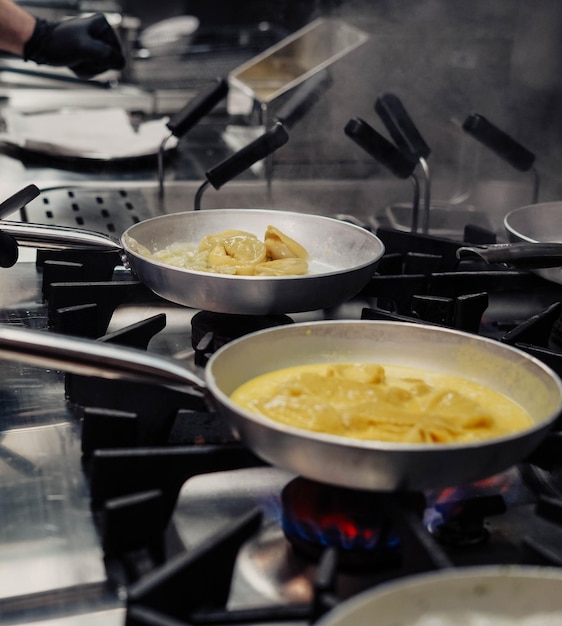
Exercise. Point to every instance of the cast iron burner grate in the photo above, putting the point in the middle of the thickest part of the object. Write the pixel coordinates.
(211, 331)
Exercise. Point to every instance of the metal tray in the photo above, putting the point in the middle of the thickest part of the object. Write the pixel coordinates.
(293, 60)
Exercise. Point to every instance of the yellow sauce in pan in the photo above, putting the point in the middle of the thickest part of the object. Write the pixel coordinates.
(384, 403)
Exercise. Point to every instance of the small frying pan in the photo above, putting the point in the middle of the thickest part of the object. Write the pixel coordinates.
(343, 258)
(331, 459)
(535, 235)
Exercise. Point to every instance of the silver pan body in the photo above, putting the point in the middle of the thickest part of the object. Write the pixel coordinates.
(375, 465)
(343, 259)
(537, 223)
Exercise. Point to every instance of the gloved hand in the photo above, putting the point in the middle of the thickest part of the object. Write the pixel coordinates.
(87, 45)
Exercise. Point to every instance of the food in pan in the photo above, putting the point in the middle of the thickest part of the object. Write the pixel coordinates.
(384, 403)
(235, 252)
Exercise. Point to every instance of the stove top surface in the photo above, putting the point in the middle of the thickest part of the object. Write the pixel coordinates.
(56, 564)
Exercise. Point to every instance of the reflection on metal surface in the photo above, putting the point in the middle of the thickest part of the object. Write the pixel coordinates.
(269, 566)
(48, 542)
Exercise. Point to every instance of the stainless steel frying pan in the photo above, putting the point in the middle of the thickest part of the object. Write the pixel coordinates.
(535, 235)
(335, 460)
(343, 257)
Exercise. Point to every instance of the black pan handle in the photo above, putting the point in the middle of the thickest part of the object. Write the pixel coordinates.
(18, 200)
(255, 151)
(9, 251)
(196, 109)
(379, 148)
(519, 255)
(401, 126)
(499, 142)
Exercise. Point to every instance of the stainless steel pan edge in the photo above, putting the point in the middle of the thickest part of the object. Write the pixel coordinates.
(343, 259)
(372, 465)
(492, 595)
(537, 223)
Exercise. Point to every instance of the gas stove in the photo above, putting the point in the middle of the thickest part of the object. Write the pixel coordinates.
(129, 504)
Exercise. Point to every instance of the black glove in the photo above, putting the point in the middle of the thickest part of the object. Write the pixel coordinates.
(87, 45)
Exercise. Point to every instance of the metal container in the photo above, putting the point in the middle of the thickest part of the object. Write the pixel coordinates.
(290, 62)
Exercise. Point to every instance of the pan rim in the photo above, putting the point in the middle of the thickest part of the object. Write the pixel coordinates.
(368, 236)
(426, 582)
(512, 230)
(375, 445)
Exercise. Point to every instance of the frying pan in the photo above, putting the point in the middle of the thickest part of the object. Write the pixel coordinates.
(535, 235)
(331, 459)
(511, 595)
(343, 257)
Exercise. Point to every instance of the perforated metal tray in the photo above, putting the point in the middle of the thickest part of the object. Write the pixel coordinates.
(110, 210)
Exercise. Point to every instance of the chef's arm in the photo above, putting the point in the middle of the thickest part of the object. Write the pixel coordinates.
(16, 27)
(87, 45)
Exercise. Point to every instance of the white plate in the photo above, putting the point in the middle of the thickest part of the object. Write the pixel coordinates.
(169, 31)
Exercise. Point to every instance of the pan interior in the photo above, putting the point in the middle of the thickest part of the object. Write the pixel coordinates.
(333, 246)
(506, 370)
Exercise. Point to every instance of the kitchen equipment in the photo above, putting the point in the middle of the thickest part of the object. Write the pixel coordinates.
(504, 146)
(166, 36)
(117, 470)
(540, 222)
(287, 64)
(535, 231)
(18, 200)
(342, 258)
(9, 252)
(186, 119)
(400, 164)
(408, 139)
(495, 596)
(104, 134)
(330, 459)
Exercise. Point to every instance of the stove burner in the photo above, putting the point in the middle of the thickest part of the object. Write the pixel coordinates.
(462, 532)
(317, 516)
(458, 517)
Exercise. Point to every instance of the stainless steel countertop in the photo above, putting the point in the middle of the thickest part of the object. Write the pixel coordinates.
(49, 548)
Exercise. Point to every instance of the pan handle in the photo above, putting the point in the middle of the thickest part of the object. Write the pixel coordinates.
(88, 357)
(197, 108)
(401, 127)
(377, 146)
(499, 142)
(58, 237)
(265, 145)
(519, 255)
(18, 200)
(9, 252)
